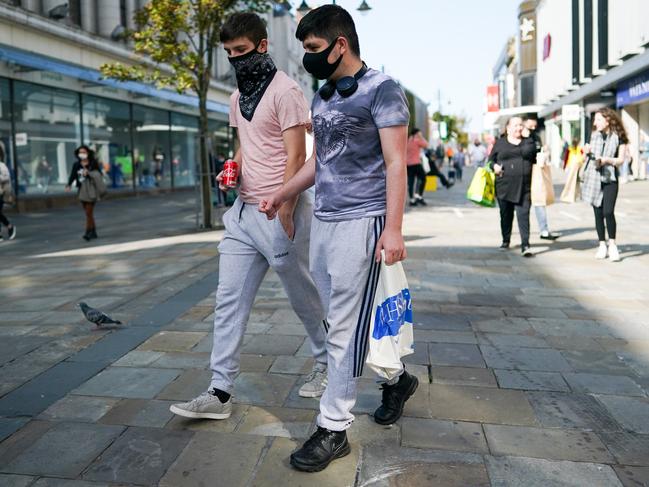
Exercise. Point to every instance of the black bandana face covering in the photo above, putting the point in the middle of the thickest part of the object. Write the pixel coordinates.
(255, 70)
(316, 62)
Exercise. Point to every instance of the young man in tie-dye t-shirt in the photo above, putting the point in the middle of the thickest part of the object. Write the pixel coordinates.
(360, 122)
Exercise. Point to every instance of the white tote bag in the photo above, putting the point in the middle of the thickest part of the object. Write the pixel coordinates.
(391, 335)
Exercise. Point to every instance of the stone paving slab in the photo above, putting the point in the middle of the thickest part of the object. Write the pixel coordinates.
(553, 444)
(443, 435)
(75, 444)
(9, 426)
(130, 382)
(10, 480)
(455, 354)
(627, 448)
(480, 404)
(139, 456)
(87, 409)
(277, 421)
(464, 376)
(541, 359)
(557, 410)
(537, 472)
(604, 384)
(263, 389)
(630, 412)
(139, 412)
(529, 380)
(210, 456)
(382, 466)
(633, 476)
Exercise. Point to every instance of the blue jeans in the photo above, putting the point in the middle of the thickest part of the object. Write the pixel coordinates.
(542, 218)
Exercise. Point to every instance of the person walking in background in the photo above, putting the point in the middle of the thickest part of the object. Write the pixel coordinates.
(86, 176)
(477, 154)
(416, 173)
(530, 126)
(434, 169)
(270, 113)
(605, 154)
(459, 161)
(6, 195)
(43, 174)
(512, 157)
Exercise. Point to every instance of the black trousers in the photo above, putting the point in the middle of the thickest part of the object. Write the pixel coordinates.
(416, 174)
(522, 210)
(606, 212)
(434, 171)
(3, 218)
(458, 170)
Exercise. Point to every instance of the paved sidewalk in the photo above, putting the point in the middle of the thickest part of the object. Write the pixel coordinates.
(532, 371)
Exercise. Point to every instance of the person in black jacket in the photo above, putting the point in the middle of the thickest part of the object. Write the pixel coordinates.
(512, 157)
(84, 173)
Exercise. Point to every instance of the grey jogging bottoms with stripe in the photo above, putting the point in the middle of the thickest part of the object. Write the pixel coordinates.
(250, 246)
(343, 267)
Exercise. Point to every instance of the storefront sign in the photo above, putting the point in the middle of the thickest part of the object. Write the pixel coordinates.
(633, 90)
(493, 102)
(547, 46)
(21, 139)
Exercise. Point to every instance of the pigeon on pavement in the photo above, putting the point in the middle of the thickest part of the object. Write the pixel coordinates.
(97, 317)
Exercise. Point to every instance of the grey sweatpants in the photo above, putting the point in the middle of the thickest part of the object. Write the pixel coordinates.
(343, 268)
(250, 246)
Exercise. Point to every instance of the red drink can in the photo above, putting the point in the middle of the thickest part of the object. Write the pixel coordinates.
(230, 174)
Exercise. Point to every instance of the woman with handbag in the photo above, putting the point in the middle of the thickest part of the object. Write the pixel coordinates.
(85, 174)
(6, 195)
(513, 156)
(605, 154)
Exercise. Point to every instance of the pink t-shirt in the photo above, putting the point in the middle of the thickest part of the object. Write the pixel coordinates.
(264, 156)
(413, 149)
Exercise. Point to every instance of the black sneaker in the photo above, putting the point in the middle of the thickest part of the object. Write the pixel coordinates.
(504, 246)
(92, 234)
(12, 232)
(394, 398)
(320, 450)
(422, 202)
(86, 236)
(527, 251)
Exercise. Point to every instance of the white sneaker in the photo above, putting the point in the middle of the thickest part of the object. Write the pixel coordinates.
(316, 383)
(613, 253)
(205, 406)
(601, 252)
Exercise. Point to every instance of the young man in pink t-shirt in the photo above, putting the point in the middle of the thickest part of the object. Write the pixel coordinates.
(270, 113)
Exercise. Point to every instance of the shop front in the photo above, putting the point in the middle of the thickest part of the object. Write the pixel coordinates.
(145, 138)
(633, 101)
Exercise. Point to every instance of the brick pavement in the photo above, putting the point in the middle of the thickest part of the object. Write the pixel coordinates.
(533, 371)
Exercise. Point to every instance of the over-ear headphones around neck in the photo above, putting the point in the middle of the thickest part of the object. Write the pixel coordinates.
(345, 86)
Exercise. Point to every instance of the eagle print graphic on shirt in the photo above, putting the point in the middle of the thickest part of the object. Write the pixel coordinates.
(333, 130)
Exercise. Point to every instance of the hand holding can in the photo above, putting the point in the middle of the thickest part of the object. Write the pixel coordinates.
(230, 174)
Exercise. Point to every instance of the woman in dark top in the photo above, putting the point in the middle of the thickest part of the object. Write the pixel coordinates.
(86, 175)
(512, 157)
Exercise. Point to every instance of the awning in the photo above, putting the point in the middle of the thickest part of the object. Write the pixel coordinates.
(501, 116)
(43, 63)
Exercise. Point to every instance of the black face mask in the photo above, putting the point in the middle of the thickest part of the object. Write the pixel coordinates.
(255, 70)
(316, 62)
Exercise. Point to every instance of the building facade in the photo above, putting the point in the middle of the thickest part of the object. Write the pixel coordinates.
(593, 54)
(53, 99)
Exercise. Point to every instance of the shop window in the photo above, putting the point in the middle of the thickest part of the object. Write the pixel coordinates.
(107, 129)
(185, 154)
(152, 164)
(48, 130)
(6, 148)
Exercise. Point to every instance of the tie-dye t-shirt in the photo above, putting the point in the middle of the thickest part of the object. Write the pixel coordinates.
(350, 170)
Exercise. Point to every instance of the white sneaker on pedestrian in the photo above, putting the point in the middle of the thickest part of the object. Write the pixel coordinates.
(205, 406)
(613, 253)
(316, 382)
(601, 251)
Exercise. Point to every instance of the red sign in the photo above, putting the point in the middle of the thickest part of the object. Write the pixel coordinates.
(547, 46)
(493, 102)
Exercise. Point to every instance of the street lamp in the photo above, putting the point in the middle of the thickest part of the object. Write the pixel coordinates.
(305, 9)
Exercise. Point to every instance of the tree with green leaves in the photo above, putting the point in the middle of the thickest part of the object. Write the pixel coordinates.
(176, 41)
(454, 127)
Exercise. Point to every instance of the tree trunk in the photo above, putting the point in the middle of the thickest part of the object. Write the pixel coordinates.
(206, 187)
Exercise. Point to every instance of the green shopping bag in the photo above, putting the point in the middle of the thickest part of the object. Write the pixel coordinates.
(482, 189)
